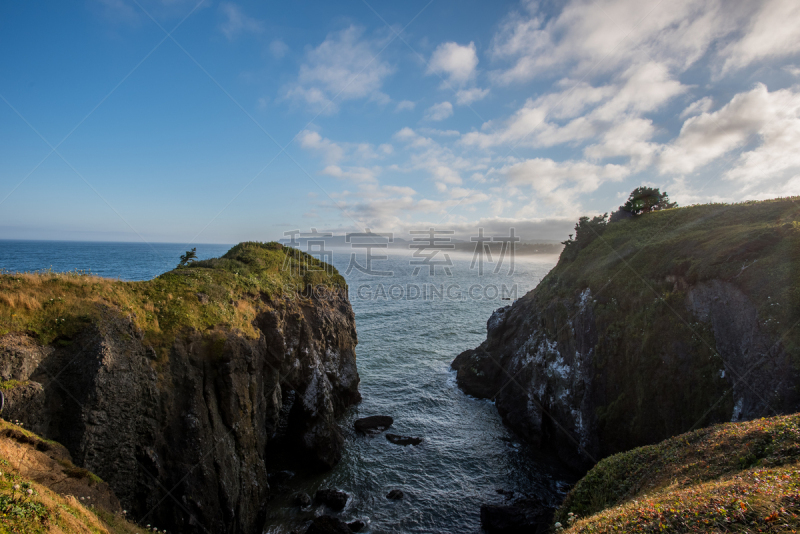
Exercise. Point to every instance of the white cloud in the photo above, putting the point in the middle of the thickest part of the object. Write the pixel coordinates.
(794, 70)
(278, 49)
(355, 174)
(455, 61)
(706, 137)
(638, 90)
(770, 120)
(468, 96)
(697, 107)
(604, 36)
(774, 32)
(343, 67)
(333, 153)
(545, 175)
(615, 87)
(237, 23)
(559, 185)
(439, 112)
(441, 133)
(330, 151)
(630, 139)
(404, 105)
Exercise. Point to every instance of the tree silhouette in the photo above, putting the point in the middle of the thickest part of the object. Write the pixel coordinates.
(643, 200)
(190, 256)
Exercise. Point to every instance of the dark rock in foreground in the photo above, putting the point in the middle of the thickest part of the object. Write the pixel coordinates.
(280, 478)
(374, 424)
(326, 524)
(526, 516)
(333, 499)
(303, 500)
(395, 495)
(356, 526)
(403, 440)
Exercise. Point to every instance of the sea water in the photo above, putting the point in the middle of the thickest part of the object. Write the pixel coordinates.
(410, 327)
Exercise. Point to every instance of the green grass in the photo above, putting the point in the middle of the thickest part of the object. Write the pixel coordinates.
(735, 477)
(7, 385)
(225, 292)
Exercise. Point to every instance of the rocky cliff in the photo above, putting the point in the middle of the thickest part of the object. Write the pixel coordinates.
(650, 327)
(173, 390)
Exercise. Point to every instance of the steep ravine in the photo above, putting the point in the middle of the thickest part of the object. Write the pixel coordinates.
(178, 422)
(665, 323)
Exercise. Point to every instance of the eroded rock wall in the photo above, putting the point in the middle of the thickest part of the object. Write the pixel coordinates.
(591, 376)
(182, 434)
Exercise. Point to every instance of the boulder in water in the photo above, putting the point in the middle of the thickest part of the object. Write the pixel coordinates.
(403, 440)
(357, 525)
(303, 500)
(395, 495)
(374, 424)
(326, 524)
(333, 499)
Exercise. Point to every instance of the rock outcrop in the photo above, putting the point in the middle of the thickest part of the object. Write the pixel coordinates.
(672, 321)
(180, 429)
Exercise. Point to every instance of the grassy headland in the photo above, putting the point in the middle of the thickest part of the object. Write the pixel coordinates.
(224, 292)
(639, 273)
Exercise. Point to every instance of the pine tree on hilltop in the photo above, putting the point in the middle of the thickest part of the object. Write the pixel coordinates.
(190, 256)
(643, 200)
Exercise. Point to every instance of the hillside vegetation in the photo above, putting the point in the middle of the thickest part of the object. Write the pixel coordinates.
(42, 492)
(640, 273)
(655, 256)
(53, 306)
(649, 327)
(734, 477)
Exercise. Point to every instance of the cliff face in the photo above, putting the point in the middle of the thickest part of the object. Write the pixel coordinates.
(665, 323)
(178, 421)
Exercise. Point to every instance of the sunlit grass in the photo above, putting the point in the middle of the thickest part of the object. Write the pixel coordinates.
(736, 477)
(226, 292)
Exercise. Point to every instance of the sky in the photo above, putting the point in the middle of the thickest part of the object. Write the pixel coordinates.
(191, 121)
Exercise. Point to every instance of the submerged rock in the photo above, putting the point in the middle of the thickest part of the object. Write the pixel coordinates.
(303, 500)
(374, 424)
(403, 440)
(356, 526)
(332, 498)
(280, 478)
(395, 495)
(326, 524)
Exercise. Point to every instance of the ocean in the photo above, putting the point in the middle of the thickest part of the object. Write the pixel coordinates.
(410, 327)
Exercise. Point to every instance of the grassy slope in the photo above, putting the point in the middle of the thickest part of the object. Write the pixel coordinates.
(45, 511)
(735, 477)
(632, 270)
(55, 306)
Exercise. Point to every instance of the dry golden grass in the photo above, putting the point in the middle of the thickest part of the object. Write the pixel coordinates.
(47, 512)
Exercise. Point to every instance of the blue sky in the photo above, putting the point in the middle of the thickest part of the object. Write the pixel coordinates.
(179, 121)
